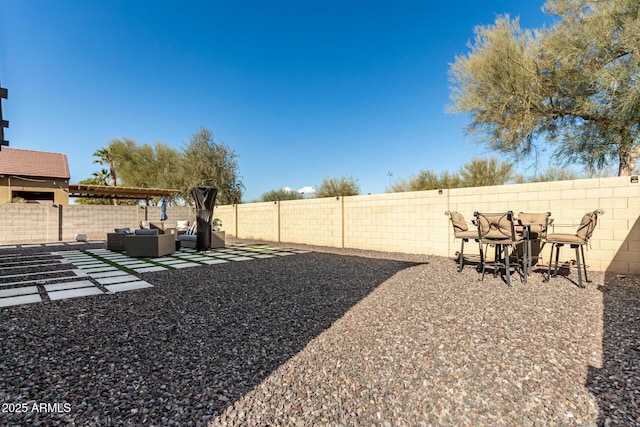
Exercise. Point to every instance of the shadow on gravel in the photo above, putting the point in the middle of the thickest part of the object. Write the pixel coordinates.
(177, 353)
(616, 385)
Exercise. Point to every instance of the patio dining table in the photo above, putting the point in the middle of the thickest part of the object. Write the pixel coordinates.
(503, 230)
(527, 232)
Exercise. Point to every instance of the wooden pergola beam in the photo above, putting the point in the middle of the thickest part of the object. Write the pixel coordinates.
(108, 192)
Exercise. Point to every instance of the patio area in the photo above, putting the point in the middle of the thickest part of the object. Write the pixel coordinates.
(327, 337)
(91, 269)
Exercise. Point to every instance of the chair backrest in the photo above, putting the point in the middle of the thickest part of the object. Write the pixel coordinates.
(495, 226)
(457, 221)
(588, 224)
(539, 222)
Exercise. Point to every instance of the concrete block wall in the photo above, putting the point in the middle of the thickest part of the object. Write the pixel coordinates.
(312, 220)
(95, 221)
(38, 223)
(28, 223)
(257, 221)
(412, 222)
(396, 222)
(228, 215)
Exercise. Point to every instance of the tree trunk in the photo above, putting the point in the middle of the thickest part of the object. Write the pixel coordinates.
(113, 182)
(628, 160)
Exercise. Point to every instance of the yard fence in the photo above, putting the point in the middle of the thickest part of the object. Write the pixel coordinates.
(411, 222)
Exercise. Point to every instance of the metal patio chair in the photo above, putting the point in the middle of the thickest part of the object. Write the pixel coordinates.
(498, 230)
(576, 241)
(534, 227)
(461, 231)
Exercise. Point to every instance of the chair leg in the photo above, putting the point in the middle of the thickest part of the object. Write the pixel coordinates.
(578, 265)
(484, 263)
(506, 265)
(555, 272)
(584, 265)
(524, 263)
(496, 259)
(481, 252)
(461, 256)
(550, 263)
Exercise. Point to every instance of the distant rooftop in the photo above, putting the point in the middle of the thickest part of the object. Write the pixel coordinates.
(18, 162)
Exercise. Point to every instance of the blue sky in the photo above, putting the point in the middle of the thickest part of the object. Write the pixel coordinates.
(301, 90)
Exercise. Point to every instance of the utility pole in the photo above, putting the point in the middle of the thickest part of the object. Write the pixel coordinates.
(3, 123)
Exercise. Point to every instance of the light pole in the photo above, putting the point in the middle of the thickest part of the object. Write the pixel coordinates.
(390, 175)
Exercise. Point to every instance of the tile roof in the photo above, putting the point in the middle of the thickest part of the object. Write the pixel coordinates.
(14, 161)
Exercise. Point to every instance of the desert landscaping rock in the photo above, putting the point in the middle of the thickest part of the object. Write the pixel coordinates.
(330, 337)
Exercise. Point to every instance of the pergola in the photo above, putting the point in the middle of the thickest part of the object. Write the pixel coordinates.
(108, 192)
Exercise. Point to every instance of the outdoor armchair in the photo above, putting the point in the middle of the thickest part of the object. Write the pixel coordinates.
(498, 230)
(576, 241)
(461, 231)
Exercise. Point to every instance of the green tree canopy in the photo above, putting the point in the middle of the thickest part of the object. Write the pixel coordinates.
(343, 186)
(146, 166)
(202, 162)
(208, 163)
(282, 194)
(575, 84)
(476, 173)
(482, 172)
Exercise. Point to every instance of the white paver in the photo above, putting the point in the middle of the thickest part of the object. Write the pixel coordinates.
(186, 265)
(68, 285)
(117, 279)
(215, 261)
(150, 269)
(241, 258)
(19, 300)
(128, 286)
(25, 290)
(102, 269)
(110, 274)
(74, 293)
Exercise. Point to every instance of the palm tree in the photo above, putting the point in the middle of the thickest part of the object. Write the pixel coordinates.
(104, 157)
(101, 177)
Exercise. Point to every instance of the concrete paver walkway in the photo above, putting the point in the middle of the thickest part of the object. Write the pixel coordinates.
(49, 276)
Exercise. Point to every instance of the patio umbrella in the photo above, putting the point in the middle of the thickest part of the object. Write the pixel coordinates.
(163, 208)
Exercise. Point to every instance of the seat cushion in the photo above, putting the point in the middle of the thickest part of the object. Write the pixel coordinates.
(147, 232)
(466, 234)
(565, 238)
(187, 237)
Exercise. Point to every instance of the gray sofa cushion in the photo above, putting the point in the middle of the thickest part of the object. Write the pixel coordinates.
(147, 232)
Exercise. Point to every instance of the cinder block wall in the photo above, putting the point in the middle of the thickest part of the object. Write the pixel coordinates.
(26, 223)
(36, 223)
(256, 221)
(228, 215)
(412, 222)
(312, 220)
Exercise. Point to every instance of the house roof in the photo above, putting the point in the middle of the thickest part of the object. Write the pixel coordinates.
(43, 164)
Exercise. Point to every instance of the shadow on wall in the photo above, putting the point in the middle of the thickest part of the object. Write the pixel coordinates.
(184, 350)
(629, 253)
(616, 385)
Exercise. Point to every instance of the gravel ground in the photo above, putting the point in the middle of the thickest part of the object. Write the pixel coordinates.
(332, 337)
